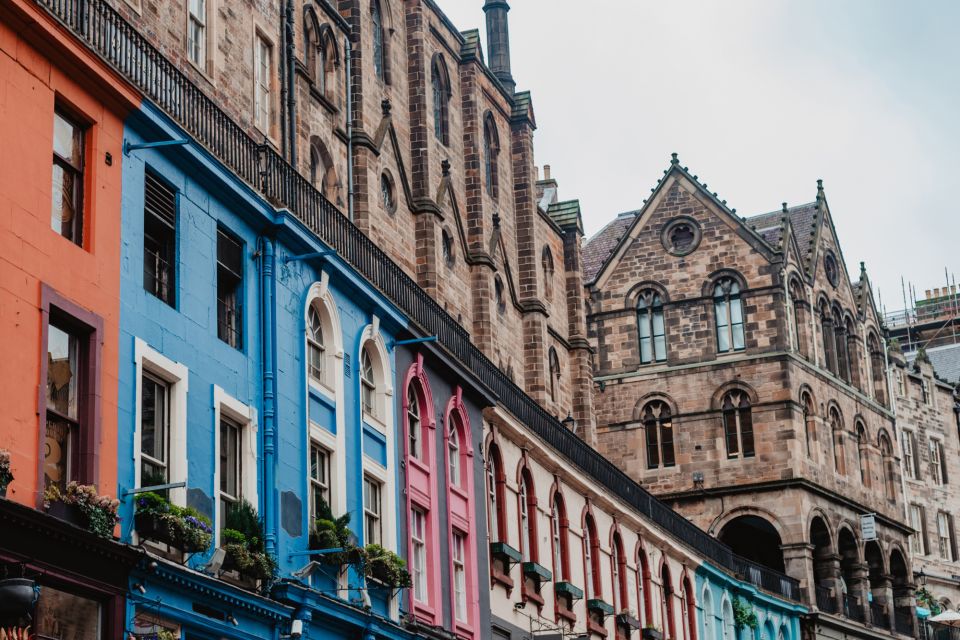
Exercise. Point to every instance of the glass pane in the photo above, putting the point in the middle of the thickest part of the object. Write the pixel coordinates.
(738, 336)
(56, 456)
(645, 350)
(736, 311)
(666, 438)
(63, 204)
(746, 431)
(67, 140)
(730, 433)
(653, 453)
(64, 615)
(660, 343)
(153, 419)
(62, 371)
(229, 456)
(644, 322)
(658, 323)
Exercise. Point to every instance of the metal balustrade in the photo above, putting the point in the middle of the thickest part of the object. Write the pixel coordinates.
(903, 621)
(120, 45)
(878, 615)
(852, 608)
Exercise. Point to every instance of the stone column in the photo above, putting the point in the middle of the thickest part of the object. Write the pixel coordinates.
(883, 595)
(860, 586)
(798, 564)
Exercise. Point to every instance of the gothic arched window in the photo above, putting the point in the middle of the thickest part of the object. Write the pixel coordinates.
(650, 327)
(738, 424)
(554, 373)
(491, 151)
(440, 83)
(379, 57)
(658, 424)
(728, 308)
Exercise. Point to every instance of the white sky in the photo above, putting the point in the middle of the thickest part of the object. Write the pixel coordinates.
(760, 98)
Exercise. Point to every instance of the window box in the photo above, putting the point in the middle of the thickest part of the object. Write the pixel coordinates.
(652, 633)
(69, 513)
(626, 620)
(506, 553)
(568, 590)
(536, 572)
(599, 606)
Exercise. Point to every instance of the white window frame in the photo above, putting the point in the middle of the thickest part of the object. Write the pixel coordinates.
(454, 468)
(418, 559)
(936, 464)
(906, 443)
(176, 376)
(246, 416)
(917, 543)
(458, 552)
(315, 483)
(262, 87)
(944, 543)
(371, 514)
(202, 23)
(491, 482)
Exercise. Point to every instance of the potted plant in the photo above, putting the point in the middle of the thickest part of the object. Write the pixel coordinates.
(386, 567)
(242, 540)
(80, 505)
(329, 532)
(180, 527)
(6, 475)
(18, 596)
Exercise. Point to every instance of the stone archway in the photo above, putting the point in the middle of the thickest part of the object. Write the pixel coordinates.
(880, 588)
(852, 576)
(756, 539)
(825, 566)
(903, 593)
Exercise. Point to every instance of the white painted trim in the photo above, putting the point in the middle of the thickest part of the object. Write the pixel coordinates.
(177, 376)
(225, 404)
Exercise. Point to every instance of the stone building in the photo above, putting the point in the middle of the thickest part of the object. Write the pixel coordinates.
(927, 419)
(740, 376)
(390, 98)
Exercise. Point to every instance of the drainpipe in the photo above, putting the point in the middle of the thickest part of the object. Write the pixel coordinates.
(349, 112)
(268, 326)
(291, 87)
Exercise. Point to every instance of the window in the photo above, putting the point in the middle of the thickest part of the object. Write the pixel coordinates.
(446, 244)
(738, 424)
(495, 504)
(945, 535)
(918, 541)
(591, 561)
(418, 535)
(230, 467)
(499, 296)
(229, 289)
(653, 341)
(843, 355)
(159, 239)
(319, 479)
(558, 530)
(938, 463)
(388, 194)
(681, 236)
(830, 269)
(459, 577)
(65, 379)
(729, 628)
(546, 263)
(414, 431)
(263, 68)
(368, 385)
(66, 216)
(729, 315)
(316, 349)
(453, 445)
(809, 422)
(910, 460)
(379, 62)
(440, 84)
(889, 467)
(666, 604)
(154, 431)
(644, 603)
(925, 390)
(491, 150)
(554, 373)
(862, 454)
(372, 533)
(709, 617)
(658, 424)
(618, 567)
(829, 339)
(311, 47)
(60, 614)
(528, 514)
(197, 32)
(689, 611)
(836, 433)
(901, 388)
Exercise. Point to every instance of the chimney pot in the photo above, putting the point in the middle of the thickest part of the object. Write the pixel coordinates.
(546, 172)
(928, 294)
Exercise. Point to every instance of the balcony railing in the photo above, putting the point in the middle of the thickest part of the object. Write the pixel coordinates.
(878, 615)
(852, 608)
(903, 621)
(123, 47)
(825, 600)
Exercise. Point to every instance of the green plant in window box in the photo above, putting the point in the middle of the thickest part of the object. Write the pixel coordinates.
(6, 475)
(386, 567)
(81, 504)
(242, 541)
(744, 614)
(329, 532)
(181, 527)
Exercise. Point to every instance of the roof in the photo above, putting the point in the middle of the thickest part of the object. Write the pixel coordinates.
(566, 214)
(945, 360)
(802, 218)
(598, 249)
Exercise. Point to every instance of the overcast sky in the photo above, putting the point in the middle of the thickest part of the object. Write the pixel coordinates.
(760, 98)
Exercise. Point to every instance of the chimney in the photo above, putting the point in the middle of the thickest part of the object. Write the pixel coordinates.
(928, 294)
(498, 42)
(546, 172)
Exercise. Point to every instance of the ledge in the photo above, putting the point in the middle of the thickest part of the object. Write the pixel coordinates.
(537, 572)
(600, 606)
(569, 590)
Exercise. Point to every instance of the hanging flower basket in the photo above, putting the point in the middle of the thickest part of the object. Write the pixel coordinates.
(17, 598)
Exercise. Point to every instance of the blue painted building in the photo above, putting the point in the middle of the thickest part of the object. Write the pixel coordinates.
(719, 595)
(255, 367)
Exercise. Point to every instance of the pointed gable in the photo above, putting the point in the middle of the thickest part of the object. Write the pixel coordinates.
(601, 246)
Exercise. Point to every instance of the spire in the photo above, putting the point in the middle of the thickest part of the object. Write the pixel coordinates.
(498, 42)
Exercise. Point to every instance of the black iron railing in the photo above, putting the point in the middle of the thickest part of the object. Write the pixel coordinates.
(903, 620)
(852, 608)
(878, 615)
(121, 45)
(825, 600)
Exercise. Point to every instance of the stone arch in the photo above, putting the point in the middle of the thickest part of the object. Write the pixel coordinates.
(752, 534)
(716, 401)
(653, 395)
(633, 295)
(323, 171)
(851, 557)
(712, 279)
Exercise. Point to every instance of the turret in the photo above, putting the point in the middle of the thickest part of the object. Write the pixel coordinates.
(498, 42)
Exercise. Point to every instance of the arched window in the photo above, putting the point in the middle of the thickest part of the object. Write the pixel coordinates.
(546, 261)
(729, 315)
(379, 51)
(453, 447)
(414, 425)
(323, 174)
(528, 517)
(491, 151)
(316, 349)
(440, 83)
(618, 571)
(877, 368)
(559, 533)
(658, 424)
(738, 424)
(840, 335)
(889, 467)
(795, 308)
(836, 430)
(689, 611)
(650, 327)
(862, 454)
(729, 626)
(591, 560)
(499, 296)
(644, 601)
(495, 500)
(709, 616)
(829, 339)
(666, 604)
(368, 383)
(809, 421)
(311, 43)
(554, 373)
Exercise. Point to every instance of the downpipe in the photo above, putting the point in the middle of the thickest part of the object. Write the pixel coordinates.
(291, 87)
(268, 321)
(349, 111)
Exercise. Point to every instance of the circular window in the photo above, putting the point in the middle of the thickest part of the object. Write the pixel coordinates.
(446, 240)
(387, 193)
(681, 236)
(830, 269)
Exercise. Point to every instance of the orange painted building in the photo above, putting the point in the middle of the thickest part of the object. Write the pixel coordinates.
(61, 126)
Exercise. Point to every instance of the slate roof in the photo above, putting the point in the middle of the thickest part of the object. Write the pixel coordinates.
(598, 249)
(945, 360)
(802, 219)
(566, 214)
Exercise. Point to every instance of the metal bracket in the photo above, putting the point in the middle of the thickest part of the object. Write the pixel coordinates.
(127, 147)
(156, 487)
(309, 256)
(314, 552)
(400, 343)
